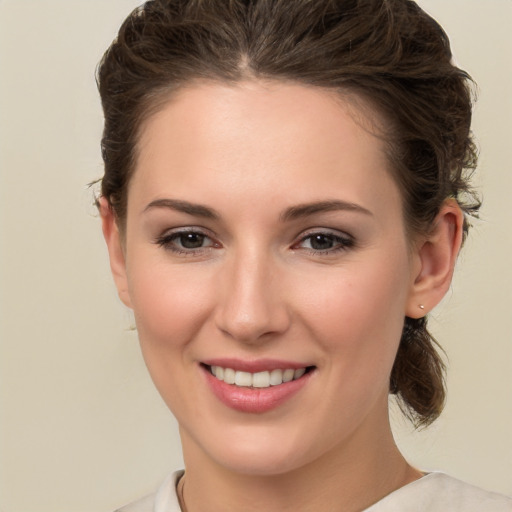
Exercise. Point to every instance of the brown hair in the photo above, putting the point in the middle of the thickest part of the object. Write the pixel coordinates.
(389, 52)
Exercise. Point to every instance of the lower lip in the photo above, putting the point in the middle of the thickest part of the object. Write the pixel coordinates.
(254, 400)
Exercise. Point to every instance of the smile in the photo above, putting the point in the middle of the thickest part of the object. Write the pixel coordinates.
(255, 386)
(263, 379)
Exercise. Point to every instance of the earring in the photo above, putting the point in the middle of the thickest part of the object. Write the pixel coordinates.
(421, 306)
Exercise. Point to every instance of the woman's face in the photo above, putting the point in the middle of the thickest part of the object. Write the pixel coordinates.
(265, 237)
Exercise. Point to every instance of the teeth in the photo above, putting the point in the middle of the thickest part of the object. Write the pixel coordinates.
(261, 380)
(276, 377)
(288, 375)
(299, 373)
(229, 376)
(256, 380)
(243, 379)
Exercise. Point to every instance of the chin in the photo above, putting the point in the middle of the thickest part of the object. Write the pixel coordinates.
(259, 451)
(259, 462)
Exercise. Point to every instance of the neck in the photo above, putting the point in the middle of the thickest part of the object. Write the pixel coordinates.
(349, 478)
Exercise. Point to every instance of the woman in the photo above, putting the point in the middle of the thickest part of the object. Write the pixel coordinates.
(286, 191)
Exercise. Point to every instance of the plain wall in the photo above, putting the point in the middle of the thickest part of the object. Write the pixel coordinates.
(81, 427)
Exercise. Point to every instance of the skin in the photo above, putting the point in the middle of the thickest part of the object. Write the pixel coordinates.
(257, 288)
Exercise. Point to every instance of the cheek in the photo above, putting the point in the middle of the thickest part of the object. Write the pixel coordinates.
(170, 304)
(358, 315)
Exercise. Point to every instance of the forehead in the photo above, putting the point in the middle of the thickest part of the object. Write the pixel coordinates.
(263, 137)
(253, 103)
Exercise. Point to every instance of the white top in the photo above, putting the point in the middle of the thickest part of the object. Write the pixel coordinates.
(435, 492)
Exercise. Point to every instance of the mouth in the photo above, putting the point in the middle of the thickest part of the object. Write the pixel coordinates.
(257, 380)
(255, 387)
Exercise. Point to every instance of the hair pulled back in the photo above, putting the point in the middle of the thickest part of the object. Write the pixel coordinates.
(388, 52)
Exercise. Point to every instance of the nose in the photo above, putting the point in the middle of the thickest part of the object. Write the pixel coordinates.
(251, 307)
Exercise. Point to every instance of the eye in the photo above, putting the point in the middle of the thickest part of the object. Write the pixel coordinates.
(186, 241)
(325, 242)
(190, 240)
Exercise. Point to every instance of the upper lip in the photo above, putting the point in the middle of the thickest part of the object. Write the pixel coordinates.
(256, 365)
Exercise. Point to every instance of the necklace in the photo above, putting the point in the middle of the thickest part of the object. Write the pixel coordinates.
(179, 492)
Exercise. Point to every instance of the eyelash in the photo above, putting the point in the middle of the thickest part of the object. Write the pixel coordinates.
(340, 242)
(167, 241)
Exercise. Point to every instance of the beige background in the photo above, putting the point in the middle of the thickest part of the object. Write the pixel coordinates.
(81, 428)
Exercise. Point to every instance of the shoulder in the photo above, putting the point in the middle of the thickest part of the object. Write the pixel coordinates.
(438, 492)
(465, 497)
(470, 496)
(163, 500)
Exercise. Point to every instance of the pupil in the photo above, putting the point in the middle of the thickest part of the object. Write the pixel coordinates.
(321, 242)
(192, 240)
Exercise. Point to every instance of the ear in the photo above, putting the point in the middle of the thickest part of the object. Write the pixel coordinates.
(435, 257)
(115, 250)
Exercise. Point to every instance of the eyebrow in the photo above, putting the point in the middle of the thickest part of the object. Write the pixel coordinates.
(197, 210)
(307, 209)
(292, 213)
